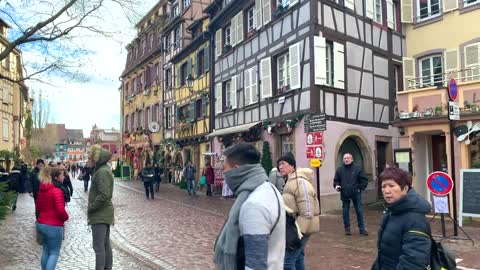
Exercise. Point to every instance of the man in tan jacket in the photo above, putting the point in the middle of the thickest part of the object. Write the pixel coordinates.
(300, 196)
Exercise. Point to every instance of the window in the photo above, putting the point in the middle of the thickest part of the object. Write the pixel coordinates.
(378, 11)
(467, 3)
(472, 62)
(184, 112)
(251, 89)
(428, 9)
(5, 128)
(140, 119)
(203, 101)
(228, 94)
(227, 37)
(168, 117)
(148, 117)
(154, 112)
(177, 36)
(200, 63)
(329, 62)
(176, 10)
(183, 74)
(125, 125)
(6, 93)
(283, 3)
(283, 70)
(167, 42)
(168, 78)
(186, 3)
(431, 70)
(251, 24)
(398, 78)
(286, 144)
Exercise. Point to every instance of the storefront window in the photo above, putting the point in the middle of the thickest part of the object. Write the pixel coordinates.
(287, 145)
(475, 156)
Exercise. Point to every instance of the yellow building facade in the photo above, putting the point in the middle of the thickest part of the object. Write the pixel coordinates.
(192, 84)
(442, 43)
(14, 97)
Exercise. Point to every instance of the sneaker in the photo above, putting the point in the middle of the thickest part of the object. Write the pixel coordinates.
(348, 232)
(364, 232)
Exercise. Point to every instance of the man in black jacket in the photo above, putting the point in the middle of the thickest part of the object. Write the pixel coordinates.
(350, 180)
(34, 182)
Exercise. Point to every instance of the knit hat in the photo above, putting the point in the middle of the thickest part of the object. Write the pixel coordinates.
(289, 158)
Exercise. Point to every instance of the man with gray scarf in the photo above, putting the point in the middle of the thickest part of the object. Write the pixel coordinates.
(253, 236)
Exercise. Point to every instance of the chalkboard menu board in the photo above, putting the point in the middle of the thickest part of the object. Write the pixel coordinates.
(470, 193)
(126, 172)
(315, 122)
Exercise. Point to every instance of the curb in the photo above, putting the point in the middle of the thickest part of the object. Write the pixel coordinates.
(120, 242)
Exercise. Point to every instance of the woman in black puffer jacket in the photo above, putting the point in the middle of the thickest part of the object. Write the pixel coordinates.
(403, 238)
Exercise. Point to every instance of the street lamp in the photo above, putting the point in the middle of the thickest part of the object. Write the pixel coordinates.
(190, 83)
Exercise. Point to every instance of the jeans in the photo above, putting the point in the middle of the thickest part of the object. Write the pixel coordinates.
(85, 185)
(357, 204)
(14, 201)
(209, 190)
(191, 187)
(52, 241)
(102, 247)
(295, 259)
(157, 184)
(148, 188)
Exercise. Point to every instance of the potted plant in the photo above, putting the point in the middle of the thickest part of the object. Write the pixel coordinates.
(428, 112)
(438, 110)
(404, 115)
(473, 107)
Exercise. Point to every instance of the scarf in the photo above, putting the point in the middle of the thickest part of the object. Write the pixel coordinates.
(242, 181)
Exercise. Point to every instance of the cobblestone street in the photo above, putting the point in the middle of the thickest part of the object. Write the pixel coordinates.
(176, 231)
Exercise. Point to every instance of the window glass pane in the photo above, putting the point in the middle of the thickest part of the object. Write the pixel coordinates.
(423, 8)
(329, 62)
(435, 7)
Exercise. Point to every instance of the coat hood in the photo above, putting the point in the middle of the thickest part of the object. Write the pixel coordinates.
(99, 155)
(305, 173)
(412, 202)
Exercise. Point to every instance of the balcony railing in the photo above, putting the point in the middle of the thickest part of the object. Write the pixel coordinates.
(441, 80)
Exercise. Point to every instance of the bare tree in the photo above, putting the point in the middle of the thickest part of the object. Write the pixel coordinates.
(51, 29)
(41, 110)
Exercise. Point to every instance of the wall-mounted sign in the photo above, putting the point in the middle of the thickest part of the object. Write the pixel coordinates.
(315, 122)
(453, 110)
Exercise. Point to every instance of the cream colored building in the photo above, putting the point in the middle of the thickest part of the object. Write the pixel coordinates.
(14, 97)
(442, 42)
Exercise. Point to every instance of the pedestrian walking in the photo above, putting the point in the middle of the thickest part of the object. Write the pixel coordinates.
(253, 236)
(24, 177)
(404, 234)
(85, 177)
(299, 196)
(100, 211)
(34, 181)
(67, 183)
(14, 185)
(157, 178)
(74, 170)
(277, 179)
(209, 177)
(350, 181)
(52, 215)
(189, 174)
(147, 175)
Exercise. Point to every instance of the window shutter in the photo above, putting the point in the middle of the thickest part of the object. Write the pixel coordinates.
(451, 63)
(218, 98)
(206, 58)
(254, 85)
(178, 76)
(258, 13)
(370, 7)
(390, 15)
(178, 113)
(449, 5)
(350, 4)
(339, 66)
(204, 106)
(295, 75)
(172, 118)
(197, 71)
(265, 68)
(193, 110)
(247, 86)
(233, 31)
(218, 42)
(408, 72)
(407, 11)
(233, 93)
(472, 61)
(266, 11)
(240, 27)
(189, 69)
(320, 50)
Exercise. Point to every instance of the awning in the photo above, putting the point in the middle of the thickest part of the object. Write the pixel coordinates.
(230, 130)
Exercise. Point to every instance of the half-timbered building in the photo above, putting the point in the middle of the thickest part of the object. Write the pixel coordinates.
(276, 61)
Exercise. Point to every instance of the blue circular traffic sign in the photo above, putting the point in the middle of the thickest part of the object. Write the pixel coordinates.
(452, 89)
(439, 183)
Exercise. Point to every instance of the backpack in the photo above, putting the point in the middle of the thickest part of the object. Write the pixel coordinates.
(441, 258)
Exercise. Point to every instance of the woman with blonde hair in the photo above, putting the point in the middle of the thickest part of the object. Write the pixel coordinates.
(50, 205)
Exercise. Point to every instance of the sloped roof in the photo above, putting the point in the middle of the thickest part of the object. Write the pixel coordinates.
(75, 135)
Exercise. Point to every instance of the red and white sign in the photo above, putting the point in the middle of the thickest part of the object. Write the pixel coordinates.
(314, 138)
(314, 143)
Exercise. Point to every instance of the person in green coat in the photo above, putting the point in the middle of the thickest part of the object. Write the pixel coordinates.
(100, 208)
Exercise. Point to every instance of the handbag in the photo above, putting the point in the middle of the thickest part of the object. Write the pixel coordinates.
(441, 258)
(203, 180)
(80, 177)
(293, 236)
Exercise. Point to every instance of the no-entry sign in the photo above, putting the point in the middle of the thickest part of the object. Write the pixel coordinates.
(439, 183)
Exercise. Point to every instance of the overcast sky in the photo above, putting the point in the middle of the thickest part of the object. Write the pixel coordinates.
(97, 101)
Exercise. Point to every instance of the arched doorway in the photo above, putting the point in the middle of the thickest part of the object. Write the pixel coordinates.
(354, 143)
(349, 145)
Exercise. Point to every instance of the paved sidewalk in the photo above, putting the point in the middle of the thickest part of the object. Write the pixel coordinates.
(19, 250)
